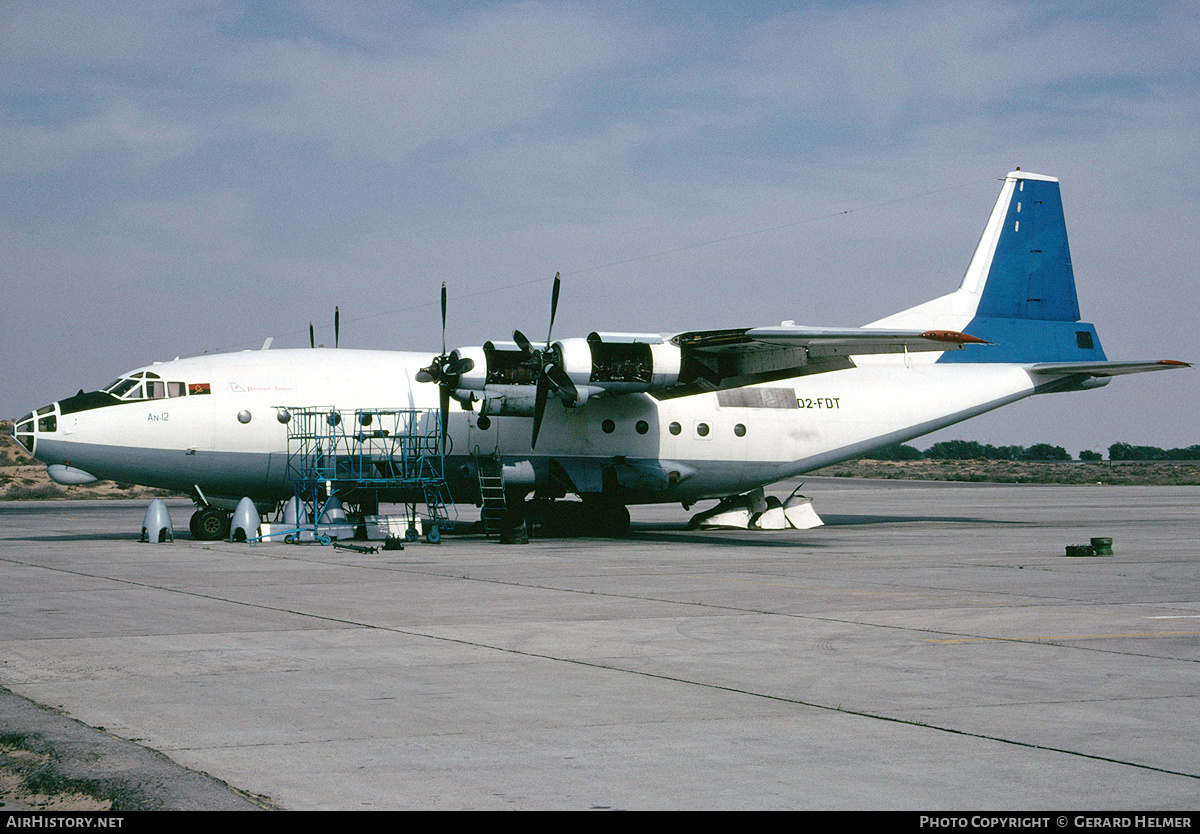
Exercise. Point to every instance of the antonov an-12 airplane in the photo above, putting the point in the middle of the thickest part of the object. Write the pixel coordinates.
(617, 418)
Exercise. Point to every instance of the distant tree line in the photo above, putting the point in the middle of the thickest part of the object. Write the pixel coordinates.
(1124, 451)
(973, 450)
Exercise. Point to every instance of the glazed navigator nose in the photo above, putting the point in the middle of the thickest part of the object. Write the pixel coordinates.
(34, 431)
(42, 421)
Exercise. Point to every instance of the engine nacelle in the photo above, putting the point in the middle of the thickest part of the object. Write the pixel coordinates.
(502, 381)
(496, 363)
(476, 378)
(603, 363)
(620, 363)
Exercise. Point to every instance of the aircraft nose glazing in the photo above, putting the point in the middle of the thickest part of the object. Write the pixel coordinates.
(42, 421)
(23, 432)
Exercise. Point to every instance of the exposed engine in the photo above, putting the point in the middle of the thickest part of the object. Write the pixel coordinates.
(503, 378)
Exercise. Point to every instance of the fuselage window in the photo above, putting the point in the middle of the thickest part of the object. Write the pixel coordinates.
(176, 389)
(675, 429)
(609, 426)
(739, 430)
(642, 427)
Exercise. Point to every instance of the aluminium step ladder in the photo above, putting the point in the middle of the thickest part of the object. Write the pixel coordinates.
(491, 493)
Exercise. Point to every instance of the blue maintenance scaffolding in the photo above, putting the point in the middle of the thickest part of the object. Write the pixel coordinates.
(368, 456)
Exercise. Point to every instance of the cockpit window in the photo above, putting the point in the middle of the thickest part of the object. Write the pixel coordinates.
(124, 389)
(145, 385)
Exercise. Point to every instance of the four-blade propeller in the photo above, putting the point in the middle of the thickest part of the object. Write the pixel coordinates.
(446, 370)
(546, 368)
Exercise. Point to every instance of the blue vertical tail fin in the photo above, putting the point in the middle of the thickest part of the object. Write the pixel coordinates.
(1027, 274)
(1019, 289)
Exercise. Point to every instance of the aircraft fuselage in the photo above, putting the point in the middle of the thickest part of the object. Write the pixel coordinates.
(224, 435)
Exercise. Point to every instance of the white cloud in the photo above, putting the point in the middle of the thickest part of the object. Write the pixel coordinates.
(123, 134)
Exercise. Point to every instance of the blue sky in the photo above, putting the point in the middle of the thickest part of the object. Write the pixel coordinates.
(197, 176)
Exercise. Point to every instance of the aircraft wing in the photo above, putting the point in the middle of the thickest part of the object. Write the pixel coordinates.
(859, 340)
(1106, 368)
(713, 360)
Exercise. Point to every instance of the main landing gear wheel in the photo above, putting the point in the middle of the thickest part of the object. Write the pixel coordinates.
(609, 519)
(616, 522)
(209, 524)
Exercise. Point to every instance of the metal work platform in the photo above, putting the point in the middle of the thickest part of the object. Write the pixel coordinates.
(365, 457)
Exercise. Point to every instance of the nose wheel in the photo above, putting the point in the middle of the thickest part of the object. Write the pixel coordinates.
(209, 524)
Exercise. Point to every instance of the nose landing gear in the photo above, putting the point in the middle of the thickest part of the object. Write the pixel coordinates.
(208, 524)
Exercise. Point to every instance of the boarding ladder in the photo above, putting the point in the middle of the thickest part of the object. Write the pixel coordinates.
(491, 492)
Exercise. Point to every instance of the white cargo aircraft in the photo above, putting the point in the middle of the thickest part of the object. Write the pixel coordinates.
(640, 418)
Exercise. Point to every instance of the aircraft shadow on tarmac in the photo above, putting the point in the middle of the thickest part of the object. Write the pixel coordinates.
(852, 520)
(91, 537)
(654, 531)
(669, 531)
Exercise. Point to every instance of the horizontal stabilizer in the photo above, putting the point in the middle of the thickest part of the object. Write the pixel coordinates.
(1106, 368)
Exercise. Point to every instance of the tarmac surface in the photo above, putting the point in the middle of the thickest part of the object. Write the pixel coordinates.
(931, 648)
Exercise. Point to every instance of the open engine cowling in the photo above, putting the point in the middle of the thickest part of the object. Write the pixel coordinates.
(621, 363)
(603, 363)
